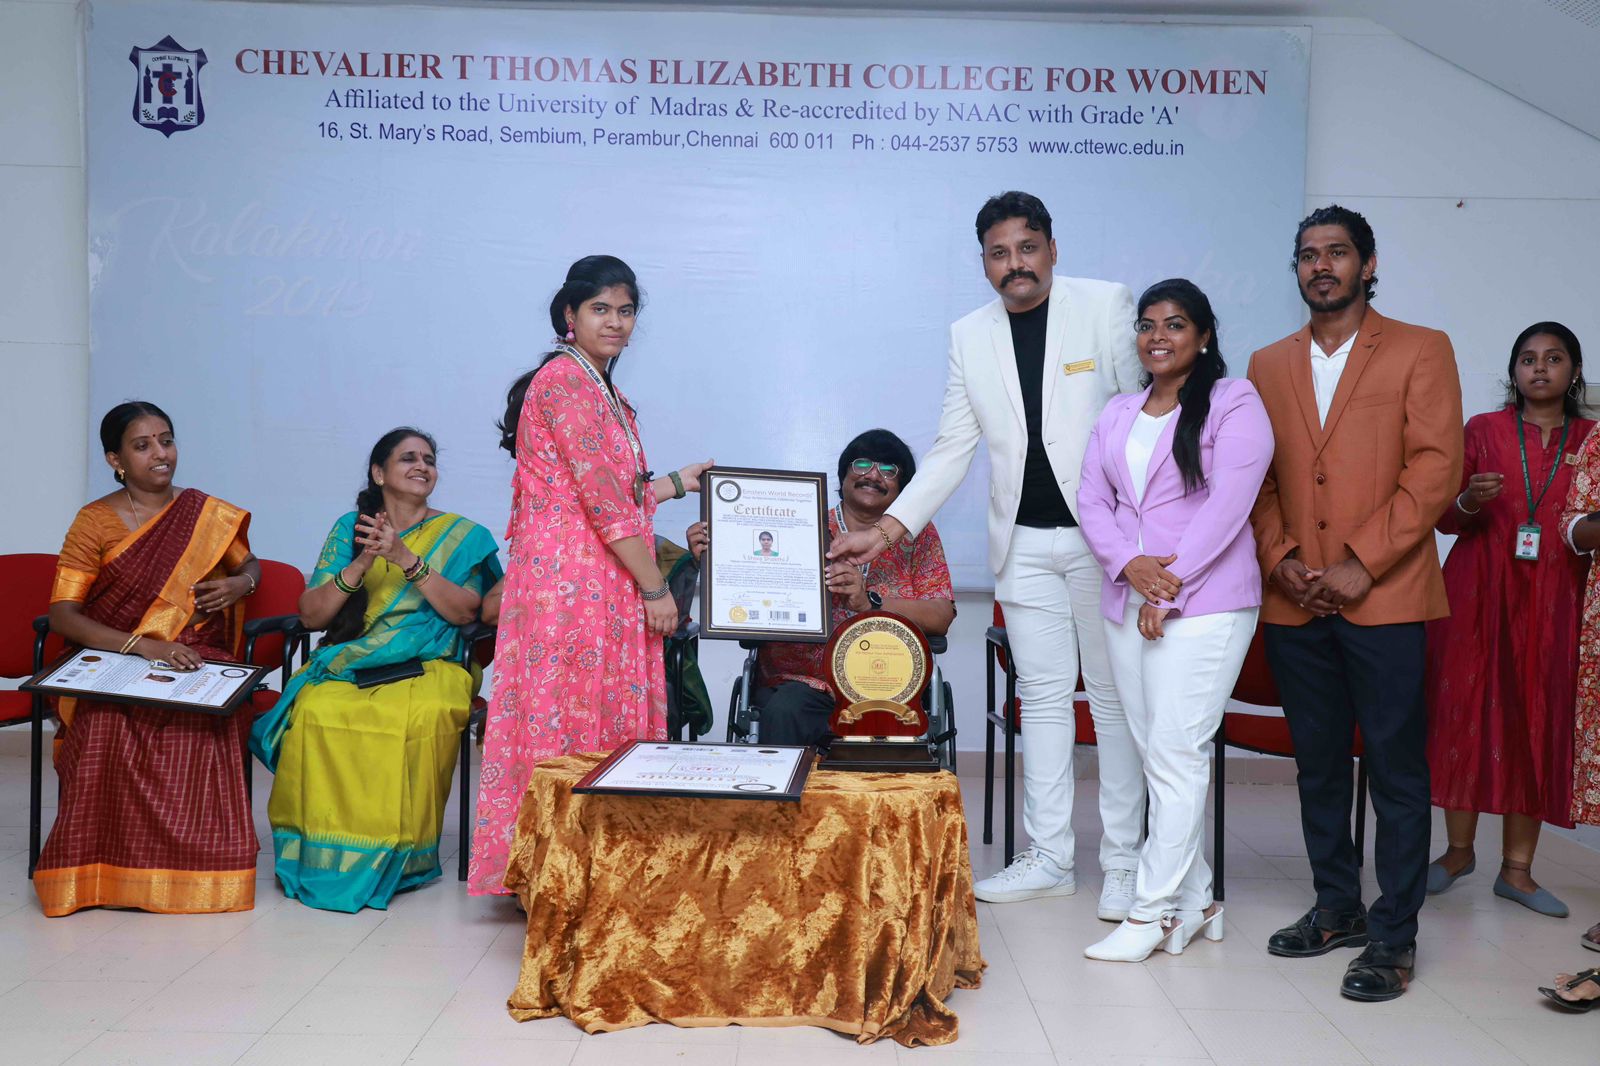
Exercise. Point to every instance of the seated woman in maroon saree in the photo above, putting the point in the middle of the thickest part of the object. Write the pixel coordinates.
(153, 812)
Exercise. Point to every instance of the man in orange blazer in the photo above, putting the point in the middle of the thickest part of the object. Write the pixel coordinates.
(1366, 414)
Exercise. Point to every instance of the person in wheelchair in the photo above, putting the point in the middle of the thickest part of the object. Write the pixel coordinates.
(911, 580)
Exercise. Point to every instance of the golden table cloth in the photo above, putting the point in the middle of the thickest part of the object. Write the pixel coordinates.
(852, 909)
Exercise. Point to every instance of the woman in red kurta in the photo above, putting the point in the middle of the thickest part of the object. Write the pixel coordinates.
(1502, 669)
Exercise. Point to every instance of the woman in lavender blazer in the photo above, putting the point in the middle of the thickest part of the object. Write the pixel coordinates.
(1169, 479)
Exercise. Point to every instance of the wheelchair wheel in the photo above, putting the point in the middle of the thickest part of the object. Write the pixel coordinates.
(949, 754)
(733, 708)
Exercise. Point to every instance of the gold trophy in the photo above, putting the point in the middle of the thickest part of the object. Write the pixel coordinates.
(878, 667)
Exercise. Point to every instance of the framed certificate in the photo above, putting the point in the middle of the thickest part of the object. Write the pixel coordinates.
(704, 771)
(215, 688)
(762, 577)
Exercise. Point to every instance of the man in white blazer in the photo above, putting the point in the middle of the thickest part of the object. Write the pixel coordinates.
(1030, 373)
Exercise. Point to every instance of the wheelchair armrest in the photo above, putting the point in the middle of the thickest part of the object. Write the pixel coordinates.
(938, 645)
(688, 631)
(751, 645)
(41, 625)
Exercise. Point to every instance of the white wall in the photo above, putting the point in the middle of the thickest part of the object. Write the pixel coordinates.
(1486, 211)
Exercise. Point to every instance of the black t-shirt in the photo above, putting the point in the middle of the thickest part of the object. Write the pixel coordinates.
(1043, 506)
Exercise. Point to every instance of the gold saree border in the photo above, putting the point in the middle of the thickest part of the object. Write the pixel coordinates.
(214, 531)
(159, 891)
(71, 586)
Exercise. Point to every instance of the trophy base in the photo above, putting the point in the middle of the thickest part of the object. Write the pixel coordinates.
(880, 757)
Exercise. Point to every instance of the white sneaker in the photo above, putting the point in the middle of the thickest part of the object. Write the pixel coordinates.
(1030, 876)
(1116, 896)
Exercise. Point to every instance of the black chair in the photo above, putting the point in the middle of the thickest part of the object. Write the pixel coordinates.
(1007, 718)
(477, 645)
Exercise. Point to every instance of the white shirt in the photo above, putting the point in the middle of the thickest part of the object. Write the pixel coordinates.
(1326, 370)
(1142, 437)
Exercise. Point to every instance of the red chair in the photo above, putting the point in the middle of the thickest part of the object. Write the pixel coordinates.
(26, 644)
(272, 636)
(1267, 735)
(1008, 719)
(478, 638)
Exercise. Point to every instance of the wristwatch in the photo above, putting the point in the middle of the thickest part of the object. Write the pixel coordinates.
(875, 599)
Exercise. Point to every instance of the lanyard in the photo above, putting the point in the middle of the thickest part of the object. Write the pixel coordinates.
(838, 513)
(1555, 465)
(640, 474)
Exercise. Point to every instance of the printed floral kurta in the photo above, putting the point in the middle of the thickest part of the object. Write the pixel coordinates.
(1502, 666)
(574, 668)
(1585, 499)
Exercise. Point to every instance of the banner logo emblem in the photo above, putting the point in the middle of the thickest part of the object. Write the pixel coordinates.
(166, 97)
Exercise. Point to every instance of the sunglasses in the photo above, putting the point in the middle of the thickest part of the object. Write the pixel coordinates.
(888, 470)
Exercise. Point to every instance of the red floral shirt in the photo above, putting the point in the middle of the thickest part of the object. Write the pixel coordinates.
(914, 569)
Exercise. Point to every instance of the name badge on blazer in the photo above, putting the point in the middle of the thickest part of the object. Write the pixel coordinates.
(1079, 367)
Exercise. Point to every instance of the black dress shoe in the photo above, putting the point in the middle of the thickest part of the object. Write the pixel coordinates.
(1379, 973)
(1318, 933)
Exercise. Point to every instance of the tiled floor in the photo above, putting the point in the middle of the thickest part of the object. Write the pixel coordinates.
(425, 982)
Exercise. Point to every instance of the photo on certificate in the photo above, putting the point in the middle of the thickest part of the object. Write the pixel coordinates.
(763, 574)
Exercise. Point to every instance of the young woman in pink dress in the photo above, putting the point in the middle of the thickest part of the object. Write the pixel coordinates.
(584, 607)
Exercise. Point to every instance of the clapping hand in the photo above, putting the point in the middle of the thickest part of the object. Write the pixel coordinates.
(376, 537)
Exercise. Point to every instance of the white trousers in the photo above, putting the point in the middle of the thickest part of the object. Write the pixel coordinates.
(1049, 589)
(1174, 691)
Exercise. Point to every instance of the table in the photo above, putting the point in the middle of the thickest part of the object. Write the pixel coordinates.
(852, 909)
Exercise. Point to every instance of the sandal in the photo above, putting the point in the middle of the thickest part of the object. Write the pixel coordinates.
(1576, 1006)
(1591, 939)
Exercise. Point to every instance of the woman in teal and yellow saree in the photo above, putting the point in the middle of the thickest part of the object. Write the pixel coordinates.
(363, 742)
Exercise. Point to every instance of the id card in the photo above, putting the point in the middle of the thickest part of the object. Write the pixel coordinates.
(1527, 543)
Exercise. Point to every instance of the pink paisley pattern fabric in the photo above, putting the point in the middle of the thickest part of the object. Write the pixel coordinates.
(574, 669)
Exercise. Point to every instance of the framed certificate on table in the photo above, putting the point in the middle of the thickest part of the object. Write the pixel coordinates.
(702, 771)
(762, 577)
(215, 688)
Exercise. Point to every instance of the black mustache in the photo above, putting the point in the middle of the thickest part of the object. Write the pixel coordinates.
(1019, 273)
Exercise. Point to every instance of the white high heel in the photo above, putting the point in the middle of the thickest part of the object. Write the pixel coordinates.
(1132, 942)
(1191, 924)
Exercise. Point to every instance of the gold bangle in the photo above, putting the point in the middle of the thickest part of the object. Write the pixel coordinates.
(887, 543)
(252, 581)
(126, 648)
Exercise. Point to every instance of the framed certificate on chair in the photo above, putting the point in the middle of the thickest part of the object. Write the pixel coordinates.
(763, 574)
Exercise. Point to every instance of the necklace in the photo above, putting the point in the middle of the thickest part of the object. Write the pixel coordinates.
(1163, 414)
(133, 510)
(641, 476)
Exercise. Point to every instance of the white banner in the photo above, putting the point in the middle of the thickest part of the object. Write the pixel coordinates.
(311, 223)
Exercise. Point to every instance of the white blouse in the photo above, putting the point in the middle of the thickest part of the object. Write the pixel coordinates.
(1141, 444)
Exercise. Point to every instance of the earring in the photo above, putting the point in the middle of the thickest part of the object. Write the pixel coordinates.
(1575, 390)
(570, 334)
(1204, 348)
(380, 482)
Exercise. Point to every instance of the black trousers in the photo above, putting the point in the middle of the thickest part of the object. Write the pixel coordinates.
(793, 713)
(1334, 676)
